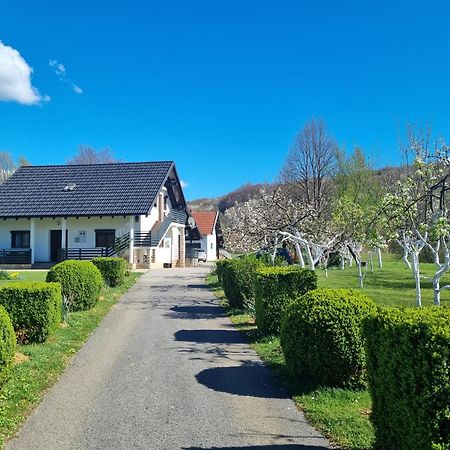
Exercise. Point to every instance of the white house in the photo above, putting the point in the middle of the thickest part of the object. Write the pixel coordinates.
(51, 213)
(206, 235)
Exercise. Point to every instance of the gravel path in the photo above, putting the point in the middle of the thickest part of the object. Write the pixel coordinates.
(167, 370)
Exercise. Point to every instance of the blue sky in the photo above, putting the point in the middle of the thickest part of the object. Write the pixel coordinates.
(223, 87)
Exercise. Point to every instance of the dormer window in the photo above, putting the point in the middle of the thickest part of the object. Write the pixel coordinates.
(69, 187)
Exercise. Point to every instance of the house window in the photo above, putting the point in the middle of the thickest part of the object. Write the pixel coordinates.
(20, 239)
(105, 238)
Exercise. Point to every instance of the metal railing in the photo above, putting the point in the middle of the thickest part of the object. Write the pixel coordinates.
(15, 256)
(85, 253)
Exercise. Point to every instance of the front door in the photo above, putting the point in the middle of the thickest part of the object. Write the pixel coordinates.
(55, 244)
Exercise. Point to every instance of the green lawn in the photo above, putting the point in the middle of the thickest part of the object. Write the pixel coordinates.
(26, 275)
(341, 414)
(393, 285)
(31, 378)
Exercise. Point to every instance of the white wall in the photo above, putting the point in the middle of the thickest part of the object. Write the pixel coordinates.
(146, 223)
(74, 226)
(211, 243)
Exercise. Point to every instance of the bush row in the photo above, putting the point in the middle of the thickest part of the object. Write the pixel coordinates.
(31, 311)
(340, 338)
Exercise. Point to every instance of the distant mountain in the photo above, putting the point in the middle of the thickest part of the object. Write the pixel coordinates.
(386, 176)
(240, 195)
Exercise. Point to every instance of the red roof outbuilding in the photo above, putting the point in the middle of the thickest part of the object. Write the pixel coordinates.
(205, 221)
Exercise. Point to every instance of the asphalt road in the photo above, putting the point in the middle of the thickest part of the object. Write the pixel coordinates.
(167, 370)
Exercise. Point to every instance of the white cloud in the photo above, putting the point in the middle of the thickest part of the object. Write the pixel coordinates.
(58, 67)
(15, 78)
(60, 70)
(184, 184)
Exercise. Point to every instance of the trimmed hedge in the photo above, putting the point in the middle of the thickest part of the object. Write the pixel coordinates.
(275, 288)
(113, 270)
(34, 308)
(321, 337)
(220, 268)
(408, 353)
(238, 281)
(7, 345)
(81, 282)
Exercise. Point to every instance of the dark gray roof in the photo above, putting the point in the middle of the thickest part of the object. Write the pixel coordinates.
(100, 189)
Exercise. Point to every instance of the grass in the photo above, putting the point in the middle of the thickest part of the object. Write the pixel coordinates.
(44, 363)
(26, 275)
(393, 285)
(340, 414)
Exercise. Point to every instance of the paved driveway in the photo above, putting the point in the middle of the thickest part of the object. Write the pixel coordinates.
(167, 370)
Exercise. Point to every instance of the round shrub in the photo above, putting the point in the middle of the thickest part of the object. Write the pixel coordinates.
(276, 288)
(81, 283)
(113, 270)
(321, 337)
(7, 345)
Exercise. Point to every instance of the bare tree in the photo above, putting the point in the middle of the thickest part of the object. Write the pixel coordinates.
(88, 155)
(310, 165)
(7, 166)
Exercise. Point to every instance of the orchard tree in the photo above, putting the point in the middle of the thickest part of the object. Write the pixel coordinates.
(417, 211)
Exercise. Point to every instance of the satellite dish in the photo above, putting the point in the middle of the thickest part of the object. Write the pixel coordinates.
(191, 222)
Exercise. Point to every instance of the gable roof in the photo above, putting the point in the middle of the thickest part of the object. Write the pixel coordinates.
(205, 221)
(100, 189)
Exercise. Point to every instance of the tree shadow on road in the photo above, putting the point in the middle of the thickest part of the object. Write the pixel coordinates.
(250, 379)
(211, 336)
(264, 447)
(197, 312)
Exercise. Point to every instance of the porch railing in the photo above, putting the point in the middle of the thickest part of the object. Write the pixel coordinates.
(85, 253)
(15, 256)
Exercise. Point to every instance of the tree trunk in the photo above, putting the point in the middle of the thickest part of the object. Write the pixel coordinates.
(380, 259)
(298, 250)
(360, 275)
(416, 273)
(342, 262)
(309, 257)
(370, 255)
(437, 290)
(274, 253)
(405, 258)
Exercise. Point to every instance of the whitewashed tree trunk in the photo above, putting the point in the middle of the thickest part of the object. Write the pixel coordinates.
(274, 253)
(360, 274)
(416, 274)
(380, 258)
(309, 257)
(405, 257)
(342, 262)
(298, 250)
(370, 257)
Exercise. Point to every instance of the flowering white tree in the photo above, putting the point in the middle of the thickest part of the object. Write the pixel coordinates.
(417, 212)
